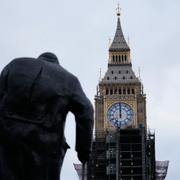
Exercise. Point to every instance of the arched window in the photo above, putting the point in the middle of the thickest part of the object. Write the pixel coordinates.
(116, 58)
(120, 59)
(112, 72)
(115, 78)
(113, 58)
(107, 78)
(131, 77)
(124, 77)
(107, 91)
(127, 72)
(124, 91)
(111, 91)
(120, 91)
(115, 91)
(119, 72)
(125, 57)
(128, 91)
(133, 91)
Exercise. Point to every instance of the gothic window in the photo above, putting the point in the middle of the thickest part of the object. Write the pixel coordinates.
(132, 91)
(113, 58)
(127, 72)
(125, 57)
(119, 72)
(115, 91)
(111, 91)
(124, 91)
(107, 78)
(124, 77)
(120, 91)
(115, 78)
(107, 91)
(128, 91)
(112, 72)
(131, 77)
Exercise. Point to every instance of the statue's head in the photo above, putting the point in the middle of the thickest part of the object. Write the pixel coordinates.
(50, 57)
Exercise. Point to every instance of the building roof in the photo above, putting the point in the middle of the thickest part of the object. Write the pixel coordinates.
(119, 43)
(120, 74)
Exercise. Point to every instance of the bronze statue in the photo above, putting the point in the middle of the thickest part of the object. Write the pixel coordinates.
(35, 97)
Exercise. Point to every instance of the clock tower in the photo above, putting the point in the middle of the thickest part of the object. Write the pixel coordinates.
(123, 148)
(120, 101)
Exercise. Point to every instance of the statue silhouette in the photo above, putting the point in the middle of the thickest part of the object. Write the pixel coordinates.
(35, 98)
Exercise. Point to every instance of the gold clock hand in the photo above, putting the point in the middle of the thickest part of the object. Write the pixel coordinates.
(120, 113)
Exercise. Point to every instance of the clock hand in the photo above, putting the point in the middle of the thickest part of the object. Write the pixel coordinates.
(120, 114)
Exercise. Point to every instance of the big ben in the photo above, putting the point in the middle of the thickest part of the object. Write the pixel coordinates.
(123, 147)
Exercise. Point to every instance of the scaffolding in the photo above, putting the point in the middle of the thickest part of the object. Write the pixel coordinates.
(127, 154)
(131, 155)
(150, 153)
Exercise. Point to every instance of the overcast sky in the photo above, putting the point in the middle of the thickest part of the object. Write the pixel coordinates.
(78, 32)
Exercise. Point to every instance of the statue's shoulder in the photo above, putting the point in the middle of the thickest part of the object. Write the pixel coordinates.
(68, 74)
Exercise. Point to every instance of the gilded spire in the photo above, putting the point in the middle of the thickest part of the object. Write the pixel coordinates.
(119, 43)
(118, 10)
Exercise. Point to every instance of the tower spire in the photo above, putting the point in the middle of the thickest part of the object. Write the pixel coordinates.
(119, 43)
(119, 51)
(118, 10)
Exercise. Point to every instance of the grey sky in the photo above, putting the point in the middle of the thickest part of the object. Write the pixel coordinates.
(78, 32)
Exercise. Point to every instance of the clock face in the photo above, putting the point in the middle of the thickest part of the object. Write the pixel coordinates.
(120, 115)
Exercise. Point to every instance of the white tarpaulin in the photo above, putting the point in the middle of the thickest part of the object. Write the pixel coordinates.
(161, 169)
(78, 168)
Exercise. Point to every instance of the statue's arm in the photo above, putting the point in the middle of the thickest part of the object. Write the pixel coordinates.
(82, 108)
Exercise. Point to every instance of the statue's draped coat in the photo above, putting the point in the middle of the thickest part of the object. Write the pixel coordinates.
(35, 97)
